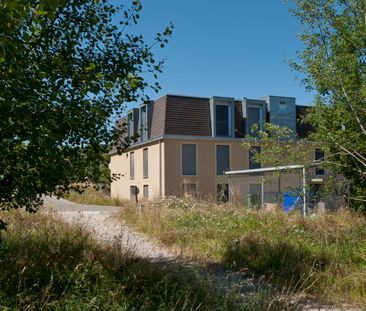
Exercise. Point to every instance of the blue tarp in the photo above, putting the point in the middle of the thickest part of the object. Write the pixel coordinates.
(292, 200)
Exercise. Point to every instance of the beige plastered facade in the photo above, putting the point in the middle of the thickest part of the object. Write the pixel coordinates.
(165, 176)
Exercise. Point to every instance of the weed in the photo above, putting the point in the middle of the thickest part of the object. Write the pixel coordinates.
(323, 256)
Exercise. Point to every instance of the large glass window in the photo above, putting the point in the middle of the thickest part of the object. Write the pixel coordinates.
(253, 117)
(189, 159)
(222, 120)
(132, 165)
(252, 152)
(222, 159)
(145, 157)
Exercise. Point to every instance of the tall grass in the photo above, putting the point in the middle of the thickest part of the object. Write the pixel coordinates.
(94, 196)
(322, 256)
(46, 264)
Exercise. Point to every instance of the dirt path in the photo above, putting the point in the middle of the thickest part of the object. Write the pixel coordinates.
(100, 222)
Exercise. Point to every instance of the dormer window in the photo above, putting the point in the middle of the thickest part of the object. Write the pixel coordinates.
(130, 125)
(222, 120)
(254, 117)
(254, 112)
(143, 123)
(222, 117)
(132, 122)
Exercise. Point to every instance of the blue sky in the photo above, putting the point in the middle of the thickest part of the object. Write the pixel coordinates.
(234, 48)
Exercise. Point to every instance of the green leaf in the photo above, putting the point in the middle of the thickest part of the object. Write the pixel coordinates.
(90, 67)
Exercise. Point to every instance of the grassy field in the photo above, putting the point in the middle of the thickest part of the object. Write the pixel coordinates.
(48, 265)
(94, 197)
(324, 257)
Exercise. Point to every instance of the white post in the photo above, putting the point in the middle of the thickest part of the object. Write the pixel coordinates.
(304, 190)
(262, 192)
(229, 188)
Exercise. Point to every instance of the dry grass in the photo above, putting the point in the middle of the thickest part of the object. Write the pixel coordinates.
(94, 197)
(46, 264)
(323, 256)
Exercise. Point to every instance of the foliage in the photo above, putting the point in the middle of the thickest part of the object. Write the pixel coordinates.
(322, 255)
(278, 146)
(66, 67)
(334, 35)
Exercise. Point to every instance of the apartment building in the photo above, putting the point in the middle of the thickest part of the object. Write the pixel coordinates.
(186, 144)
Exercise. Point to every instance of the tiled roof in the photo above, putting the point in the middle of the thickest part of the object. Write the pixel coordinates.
(158, 117)
(187, 116)
(190, 116)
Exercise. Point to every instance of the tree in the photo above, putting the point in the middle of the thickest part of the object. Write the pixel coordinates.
(66, 68)
(333, 60)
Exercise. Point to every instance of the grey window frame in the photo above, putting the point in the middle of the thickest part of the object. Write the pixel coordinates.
(145, 163)
(184, 172)
(218, 173)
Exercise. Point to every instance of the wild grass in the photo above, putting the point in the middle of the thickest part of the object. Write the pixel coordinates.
(94, 196)
(46, 264)
(322, 256)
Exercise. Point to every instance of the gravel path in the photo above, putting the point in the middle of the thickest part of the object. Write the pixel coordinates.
(100, 222)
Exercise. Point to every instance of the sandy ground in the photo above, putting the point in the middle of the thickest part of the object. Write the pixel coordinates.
(100, 222)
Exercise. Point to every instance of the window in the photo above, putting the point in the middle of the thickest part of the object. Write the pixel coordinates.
(143, 123)
(132, 165)
(252, 152)
(254, 116)
(319, 157)
(145, 160)
(222, 193)
(222, 159)
(190, 189)
(130, 125)
(188, 159)
(146, 192)
(134, 191)
(222, 120)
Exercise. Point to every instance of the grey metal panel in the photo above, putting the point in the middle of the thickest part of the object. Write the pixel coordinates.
(189, 159)
(282, 111)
